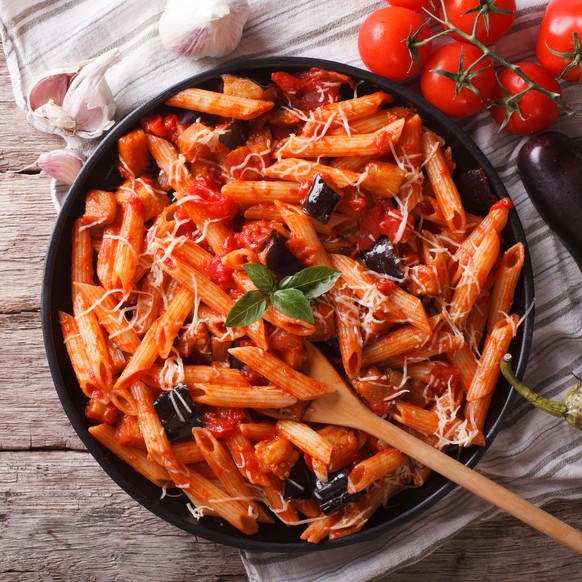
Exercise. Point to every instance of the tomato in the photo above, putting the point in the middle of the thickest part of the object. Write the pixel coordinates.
(383, 45)
(561, 32)
(204, 194)
(380, 218)
(499, 13)
(537, 110)
(311, 89)
(221, 421)
(416, 5)
(255, 235)
(440, 90)
(220, 273)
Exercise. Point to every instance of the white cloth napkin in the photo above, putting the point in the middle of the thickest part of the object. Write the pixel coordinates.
(536, 455)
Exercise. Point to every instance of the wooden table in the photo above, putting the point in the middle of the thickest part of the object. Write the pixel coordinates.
(62, 518)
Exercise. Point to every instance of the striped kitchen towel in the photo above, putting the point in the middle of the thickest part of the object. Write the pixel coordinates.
(537, 455)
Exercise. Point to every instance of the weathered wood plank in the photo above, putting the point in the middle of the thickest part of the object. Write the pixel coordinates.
(32, 416)
(26, 221)
(55, 528)
(58, 530)
(20, 144)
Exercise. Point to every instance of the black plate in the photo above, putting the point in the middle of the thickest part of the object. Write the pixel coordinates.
(56, 296)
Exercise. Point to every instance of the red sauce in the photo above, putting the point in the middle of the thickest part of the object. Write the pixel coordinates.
(354, 202)
(304, 252)
(311, 89)
(503, 203)
(220, 273)
(441, 375)
(390, 225)
(221, 422)
(205, 195)
(385, 285)
(255, 235)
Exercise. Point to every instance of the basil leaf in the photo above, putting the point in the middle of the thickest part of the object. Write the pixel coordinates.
(312, 281)
(261, 277)
(293, 303)
(248, 309)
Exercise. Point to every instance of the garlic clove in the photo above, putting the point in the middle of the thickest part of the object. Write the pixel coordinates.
(203, 28)
(89, 100)
(50, 88)
(54, 115)
(62, 165)
(78, 99)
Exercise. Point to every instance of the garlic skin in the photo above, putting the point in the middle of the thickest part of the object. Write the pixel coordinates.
(203, 28)
(78, 100)
(62, 165)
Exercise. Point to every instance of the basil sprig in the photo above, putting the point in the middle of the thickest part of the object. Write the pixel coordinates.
(291, 296)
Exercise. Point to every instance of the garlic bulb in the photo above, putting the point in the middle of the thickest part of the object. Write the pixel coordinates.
(203, 28)
(62, 165)
(77, 100)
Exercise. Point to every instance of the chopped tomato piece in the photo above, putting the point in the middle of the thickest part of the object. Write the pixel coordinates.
(219, 273)
(311, 89)
(255, 235)
(205, 195)
(221, 422)
(391, 226)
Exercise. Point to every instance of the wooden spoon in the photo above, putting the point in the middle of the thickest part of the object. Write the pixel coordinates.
(343, 407)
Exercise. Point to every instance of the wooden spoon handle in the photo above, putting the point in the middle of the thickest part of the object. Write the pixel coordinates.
(476, 483)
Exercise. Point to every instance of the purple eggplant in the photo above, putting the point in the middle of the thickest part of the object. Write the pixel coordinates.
(299, 484)
(321, 200)
(382, 258)
(235, 134)
(550, 167)
(474, 189)
(279, 259)
(178, 413)
(334, 495)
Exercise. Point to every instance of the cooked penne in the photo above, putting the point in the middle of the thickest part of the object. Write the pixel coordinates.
(442, 182)
(241, 396)
(473, 279)
(280, 374)
(496, 345)
(275, 193)
(306, 439)
(505, 284)
(369, 144)
(245, 192)
(220, 104)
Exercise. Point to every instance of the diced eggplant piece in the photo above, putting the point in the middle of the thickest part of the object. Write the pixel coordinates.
(190, 117)
(299, 484)
(177, 412)
(334, 495)
(279, 258)
(235, 362)
(236, 134)
(382, 259)
(475, 191)
(321, 200)
(330, 348)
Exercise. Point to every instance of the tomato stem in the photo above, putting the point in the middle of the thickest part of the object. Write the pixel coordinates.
(487, 52)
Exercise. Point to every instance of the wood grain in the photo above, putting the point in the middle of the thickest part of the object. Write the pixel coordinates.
(62, 518)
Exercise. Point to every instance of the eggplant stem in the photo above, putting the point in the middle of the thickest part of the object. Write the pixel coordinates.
(550, 406)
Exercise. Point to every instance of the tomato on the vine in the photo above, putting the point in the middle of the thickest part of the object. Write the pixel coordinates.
(383, 42)
(537, 110)
(559, 44)
(416, 5)
(495, 17)
(451, 65)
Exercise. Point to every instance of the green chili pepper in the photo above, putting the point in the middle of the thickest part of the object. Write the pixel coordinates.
(570, 409)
